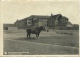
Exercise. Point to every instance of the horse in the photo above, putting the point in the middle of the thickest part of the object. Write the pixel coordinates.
(36, 31)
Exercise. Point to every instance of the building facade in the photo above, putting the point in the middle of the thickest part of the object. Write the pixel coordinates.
(54, 21)
(32, 21)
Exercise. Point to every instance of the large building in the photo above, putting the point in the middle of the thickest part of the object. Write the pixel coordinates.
(54, 21)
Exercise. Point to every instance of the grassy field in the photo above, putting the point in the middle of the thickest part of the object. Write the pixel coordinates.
(49, 43)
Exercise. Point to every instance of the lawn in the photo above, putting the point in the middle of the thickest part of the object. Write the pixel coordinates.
(49, 43)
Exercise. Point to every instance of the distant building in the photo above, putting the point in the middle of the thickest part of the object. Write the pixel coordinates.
(54, 21)
(69, 24)
(9, 27)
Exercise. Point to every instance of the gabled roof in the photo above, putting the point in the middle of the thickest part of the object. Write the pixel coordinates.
(56, 16)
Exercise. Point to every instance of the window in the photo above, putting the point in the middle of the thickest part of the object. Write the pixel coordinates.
(29, 22)
(63, 20)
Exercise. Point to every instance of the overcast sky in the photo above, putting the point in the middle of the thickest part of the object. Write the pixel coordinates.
(11, 11)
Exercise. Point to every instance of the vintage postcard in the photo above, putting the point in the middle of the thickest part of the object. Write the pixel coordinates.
(40, 27)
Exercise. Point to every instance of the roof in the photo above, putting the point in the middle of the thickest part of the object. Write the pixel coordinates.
(35, 16)
(56, 16)
(8, 25)
(43, 17)
(40, 16)
(69, 23)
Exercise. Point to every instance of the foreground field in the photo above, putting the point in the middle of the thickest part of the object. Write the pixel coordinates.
(49, 43)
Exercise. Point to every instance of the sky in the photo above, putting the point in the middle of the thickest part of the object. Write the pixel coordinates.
(11, 11)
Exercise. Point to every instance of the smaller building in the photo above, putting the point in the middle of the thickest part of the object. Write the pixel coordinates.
(9, 27)
(69, 24)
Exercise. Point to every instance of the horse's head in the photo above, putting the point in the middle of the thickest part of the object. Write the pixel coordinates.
(42, 28)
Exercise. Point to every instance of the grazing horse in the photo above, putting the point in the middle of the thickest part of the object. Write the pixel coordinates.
(36, 31)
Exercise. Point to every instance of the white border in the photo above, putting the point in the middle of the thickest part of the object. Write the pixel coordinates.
(1, 34)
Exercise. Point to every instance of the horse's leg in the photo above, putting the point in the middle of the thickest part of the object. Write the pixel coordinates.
(37, 36)
(29, 35)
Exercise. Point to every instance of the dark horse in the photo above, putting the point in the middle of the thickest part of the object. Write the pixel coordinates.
(36, 31)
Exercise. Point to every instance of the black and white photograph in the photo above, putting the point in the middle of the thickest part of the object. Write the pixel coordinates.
(40, 27)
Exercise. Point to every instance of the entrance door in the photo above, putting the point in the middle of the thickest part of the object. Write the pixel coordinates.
(40, 22)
